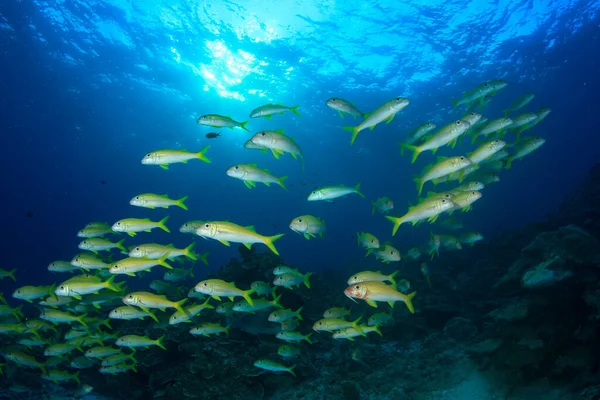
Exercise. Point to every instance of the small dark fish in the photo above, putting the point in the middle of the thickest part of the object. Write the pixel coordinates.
(212, 135)
(29, 214)
(103, 182)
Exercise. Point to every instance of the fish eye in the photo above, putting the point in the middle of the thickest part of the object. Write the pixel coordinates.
(236, 167)
(299, 219)
(457, 122)
(207, 226)
(443, 200)
(62, 287)
(398, 98)
(372, 241)
(357, 287)
(462, 158)
(118, 223)
(137, 197)
(137, 249)
(130, 296)
(148, 155)
(486, 84)
(263, 134)
(205, 284)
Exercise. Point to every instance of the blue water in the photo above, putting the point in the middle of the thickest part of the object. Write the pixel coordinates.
(88, 88)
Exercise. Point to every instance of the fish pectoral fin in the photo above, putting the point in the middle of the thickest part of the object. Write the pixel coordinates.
(130, 274)
(231, 298)
(132, 234)
(307, 236)
(390, 118)
(248, 184)
(275, 154)
(225, 242)
(248, 246)
(372, 303)
(164, 166)
(216, 297)
(391, 303)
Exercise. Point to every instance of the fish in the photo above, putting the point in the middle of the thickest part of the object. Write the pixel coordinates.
(217, 288)
(330, 193)
(88, 261)
(344, 107)
(131, 226)
(450, 242)
(284, 269)
(373, 292)
(367, 276)
(278, 143)
(386, 253)
(289, 325)
(485, 151)
(94, 231)
(146, 300)
(478, 92)
(178, 274)
(221, 121)
(386, 113)
(152, 201)
(133, 341)
(212, 135)
(473, 119)
(425, 271)
(414, 253)
(190, 227)
(117, 369)
(62, 266)
(250, 173)
(497, 125)
(308, 226)
(463, 200)
(98, 244)
(467, 187)
(351, 333)
(270, 109)
(8, 274)
(208, 329)
(129, 313)
(83, 390)
(101, 352)
(519, 103)
(269, 365)
(165, 157)
(258, 305)
(117, 359)
(129, 266)
(190, 312)
(155, 251)
(287, 351)
(59, 317)
(382, 205)
(452, 224)
(82, 362)
(449, 134)
(293, 336)
(29, 293)
(77, 289)
(523, 148)
(226, 232)
(285, 315)
(367, 241)
(56, 375)
(289, 280)
(58, 349)
(261, 288)
(336, 312)
(443, 167)
(522, 120)
(418, 133)
(542, 113)
(380, 319)
(21, 358)
(470, 238)
(335, 324)
(428, 209)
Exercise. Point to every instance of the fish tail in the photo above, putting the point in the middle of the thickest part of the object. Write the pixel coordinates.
(163, 261)
(376, 329)
(246, 294)
(178, 306)
(392, 277)
(408, 301)
(415, 149)
(180, 203)
(357, 190)
(11, 274)
(152, 315)
(159, 342)
(295, 110)
(297, 312)
(291, 370)
(203, 258)
(18, 314)
(397, 222)
(358, 328)
(161, 224)
(81, 321)
(75, 377)
(110, 284)
(243, 125)
(276, 299)
(369, 251)
(306, 279)
(283, 178)
(120, 246)
(420, 184)
(353, 130)
(307, 338)
(189, 252)
(454, 104)
(201, 155)
(269, 242)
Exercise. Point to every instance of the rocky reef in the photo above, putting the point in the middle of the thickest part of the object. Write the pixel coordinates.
(514, 317)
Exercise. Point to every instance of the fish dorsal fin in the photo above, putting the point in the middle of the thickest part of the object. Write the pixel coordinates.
(441, 158)
(252, 165)
(279, 131)
(251, 228)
